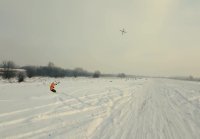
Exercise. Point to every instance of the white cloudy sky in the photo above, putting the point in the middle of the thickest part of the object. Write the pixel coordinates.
(162, 35)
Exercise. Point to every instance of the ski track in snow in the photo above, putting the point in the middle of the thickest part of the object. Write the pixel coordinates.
(100, 109)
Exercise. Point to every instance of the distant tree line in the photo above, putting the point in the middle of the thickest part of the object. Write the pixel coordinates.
(47, 71)
(8, 70)
(189, 78)
(53, 71)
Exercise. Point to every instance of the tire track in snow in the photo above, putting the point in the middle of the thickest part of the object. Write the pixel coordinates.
(81, 99)
(68, 103)
(156, 111)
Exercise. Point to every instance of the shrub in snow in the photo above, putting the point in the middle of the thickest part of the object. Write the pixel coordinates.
(21, 76)
(96, 74)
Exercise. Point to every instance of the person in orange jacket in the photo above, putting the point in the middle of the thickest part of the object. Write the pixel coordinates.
(52, 86)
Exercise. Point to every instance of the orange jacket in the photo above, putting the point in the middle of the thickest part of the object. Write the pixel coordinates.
(52, 86)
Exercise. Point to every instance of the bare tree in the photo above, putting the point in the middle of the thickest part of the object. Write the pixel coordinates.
(8, 71)
(51, 64)
(121, 75)
(96, 74)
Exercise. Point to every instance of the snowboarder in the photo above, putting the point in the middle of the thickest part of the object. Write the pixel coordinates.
(52, 86)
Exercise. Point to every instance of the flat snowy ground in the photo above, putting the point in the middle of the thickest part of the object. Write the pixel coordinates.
(105, 108)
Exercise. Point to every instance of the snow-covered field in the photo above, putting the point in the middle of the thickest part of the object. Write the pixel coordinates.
(105, 108)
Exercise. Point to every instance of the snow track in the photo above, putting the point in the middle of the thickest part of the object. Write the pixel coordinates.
(101, 109)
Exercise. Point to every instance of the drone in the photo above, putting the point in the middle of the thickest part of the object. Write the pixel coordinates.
(123, 31)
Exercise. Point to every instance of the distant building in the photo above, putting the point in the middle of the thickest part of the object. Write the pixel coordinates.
(15, 70)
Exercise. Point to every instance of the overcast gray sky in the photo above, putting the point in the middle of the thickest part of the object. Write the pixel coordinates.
(162, 35)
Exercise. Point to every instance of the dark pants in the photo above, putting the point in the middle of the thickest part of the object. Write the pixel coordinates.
(53, 90)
